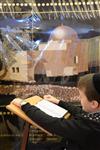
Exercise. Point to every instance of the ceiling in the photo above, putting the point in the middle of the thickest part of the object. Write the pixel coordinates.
(52, 9)
(82, 15)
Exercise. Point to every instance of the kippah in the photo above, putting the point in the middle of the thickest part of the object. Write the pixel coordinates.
(96, 82)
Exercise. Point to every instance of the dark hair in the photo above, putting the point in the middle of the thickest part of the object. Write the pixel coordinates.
(90, 84)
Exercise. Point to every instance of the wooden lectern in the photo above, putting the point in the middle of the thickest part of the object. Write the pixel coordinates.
(16, 110)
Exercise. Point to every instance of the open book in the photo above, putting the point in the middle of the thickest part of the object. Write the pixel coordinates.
(44, 105)
(51, 108)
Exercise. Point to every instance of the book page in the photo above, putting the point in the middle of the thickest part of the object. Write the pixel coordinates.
(51, 108)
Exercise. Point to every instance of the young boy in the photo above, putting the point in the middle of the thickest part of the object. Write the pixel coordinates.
(82, 132)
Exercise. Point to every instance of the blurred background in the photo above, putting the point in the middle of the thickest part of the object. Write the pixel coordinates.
(45, 46)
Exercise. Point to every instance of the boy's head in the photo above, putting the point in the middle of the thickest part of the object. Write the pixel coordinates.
(89, 88)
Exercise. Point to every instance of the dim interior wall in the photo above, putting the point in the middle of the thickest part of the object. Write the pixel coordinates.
(82, 52)
(94, 50)
(58, 62)
(54, 63)
(54, 45)
(75, 59)
(62, 62)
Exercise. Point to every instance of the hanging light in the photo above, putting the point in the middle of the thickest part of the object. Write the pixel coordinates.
(39, 4)
(71, 4)
(79, 3)
(67, 4)
(76, 3)
(21, 4)
(88, 3)
(43, 4)
(25, 4)
(13, 4)
(63, 4)
(34, 4)
(84, 3)
(9, 4)
(92, 3)
(51, 4)
(47, 4)
(59, 4)
(55, 4)
(30, 4)
(5, 4)
(17, 4)
(96, 2)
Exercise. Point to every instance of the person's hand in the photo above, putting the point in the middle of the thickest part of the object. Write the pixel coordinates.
(17, 102)
(51, 99)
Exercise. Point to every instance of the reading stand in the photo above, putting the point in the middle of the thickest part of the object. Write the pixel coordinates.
(16, 110)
